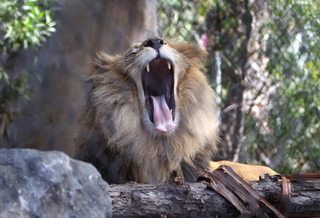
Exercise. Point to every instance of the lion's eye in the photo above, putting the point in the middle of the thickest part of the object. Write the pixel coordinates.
(131, 53)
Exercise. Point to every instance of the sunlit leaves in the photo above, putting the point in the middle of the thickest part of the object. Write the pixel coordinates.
(286, 35)
(25, 25)
(183, 20)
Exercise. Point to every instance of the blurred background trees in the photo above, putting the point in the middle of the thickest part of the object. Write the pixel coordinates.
(54, 84)
(23, 25)
(264, 64)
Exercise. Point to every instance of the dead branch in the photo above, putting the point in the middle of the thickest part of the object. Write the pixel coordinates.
(197, 200)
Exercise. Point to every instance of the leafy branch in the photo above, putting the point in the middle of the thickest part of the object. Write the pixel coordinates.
(24, 24)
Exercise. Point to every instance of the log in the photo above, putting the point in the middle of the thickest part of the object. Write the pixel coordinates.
(197, 200)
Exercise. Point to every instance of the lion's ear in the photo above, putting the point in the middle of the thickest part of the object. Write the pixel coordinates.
(104, 62)
(101, 67)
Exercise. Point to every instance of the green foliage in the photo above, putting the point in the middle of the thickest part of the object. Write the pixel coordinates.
(11, 90)
(290, 138)
(24, 24)
(281, 38)
(183, 20)
(298, 128)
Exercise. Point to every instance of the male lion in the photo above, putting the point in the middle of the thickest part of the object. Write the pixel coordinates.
(151, 114)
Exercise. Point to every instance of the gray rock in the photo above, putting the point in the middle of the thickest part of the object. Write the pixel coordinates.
(50, 184)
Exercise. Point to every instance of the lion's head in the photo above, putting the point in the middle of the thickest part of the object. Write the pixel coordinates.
(153, 107)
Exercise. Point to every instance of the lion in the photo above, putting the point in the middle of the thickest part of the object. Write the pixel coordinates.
(151, 114)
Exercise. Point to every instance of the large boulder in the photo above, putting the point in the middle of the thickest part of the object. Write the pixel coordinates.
(50, 184)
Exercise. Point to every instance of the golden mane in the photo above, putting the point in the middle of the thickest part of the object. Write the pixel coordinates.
(117, 135)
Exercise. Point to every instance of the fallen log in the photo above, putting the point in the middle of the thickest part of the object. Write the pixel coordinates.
(301, 199)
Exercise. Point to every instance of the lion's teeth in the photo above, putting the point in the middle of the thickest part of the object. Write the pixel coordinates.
(171, 111)
(169, 66)
(148, 68)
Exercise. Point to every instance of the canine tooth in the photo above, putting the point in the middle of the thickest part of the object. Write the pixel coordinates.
(169, 66)
(171, 111)
(148, 68)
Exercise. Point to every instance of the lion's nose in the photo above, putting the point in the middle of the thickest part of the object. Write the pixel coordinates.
(155, 43)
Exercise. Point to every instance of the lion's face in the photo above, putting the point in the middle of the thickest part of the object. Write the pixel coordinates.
(156, 67)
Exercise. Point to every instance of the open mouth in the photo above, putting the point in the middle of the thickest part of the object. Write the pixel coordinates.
(157, 79)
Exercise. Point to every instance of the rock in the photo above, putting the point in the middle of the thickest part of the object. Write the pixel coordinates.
(50, 184)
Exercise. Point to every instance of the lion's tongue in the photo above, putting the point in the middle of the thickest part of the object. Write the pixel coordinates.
(161, 114)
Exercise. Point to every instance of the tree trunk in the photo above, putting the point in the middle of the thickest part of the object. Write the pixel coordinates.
(50, 120)
(197, 200)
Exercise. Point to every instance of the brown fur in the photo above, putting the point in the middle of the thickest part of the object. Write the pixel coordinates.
(117, 135)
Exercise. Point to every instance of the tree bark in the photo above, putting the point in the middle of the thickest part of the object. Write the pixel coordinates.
(197, 200)
(84, 27)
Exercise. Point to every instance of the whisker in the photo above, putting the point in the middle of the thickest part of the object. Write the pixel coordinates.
(130, 74)
(184, 70)
(129, 41)
(129, 66)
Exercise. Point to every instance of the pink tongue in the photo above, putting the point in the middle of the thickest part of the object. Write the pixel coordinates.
(161, 115)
